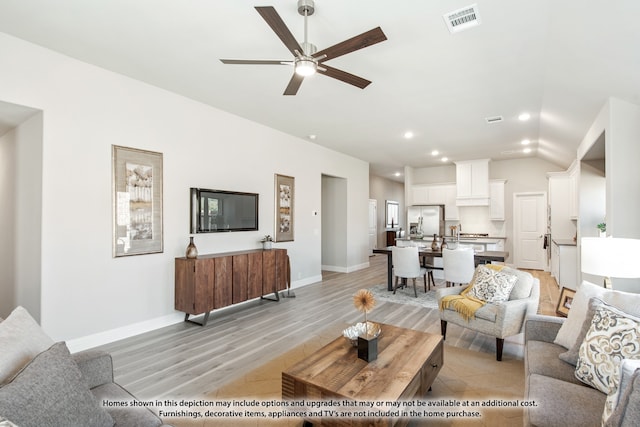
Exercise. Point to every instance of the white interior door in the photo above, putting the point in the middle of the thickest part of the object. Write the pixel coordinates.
(529, 227)
(373, 225)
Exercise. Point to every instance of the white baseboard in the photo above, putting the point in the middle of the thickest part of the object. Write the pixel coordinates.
(339, 269)
(335, 268)
(106, 337)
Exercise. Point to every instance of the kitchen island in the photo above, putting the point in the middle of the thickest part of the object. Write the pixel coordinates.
(479, 257)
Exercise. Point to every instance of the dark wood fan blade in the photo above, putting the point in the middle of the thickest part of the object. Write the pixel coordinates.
(278, 26)
(343, 76)
(355, 43)
(256, 61)
(294, 84)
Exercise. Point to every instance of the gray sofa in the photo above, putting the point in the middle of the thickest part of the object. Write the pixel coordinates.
(97, 369)
(561, 399)
(43, 385)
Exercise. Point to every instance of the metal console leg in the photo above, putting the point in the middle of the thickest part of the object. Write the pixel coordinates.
(276, 295)
(204, 320)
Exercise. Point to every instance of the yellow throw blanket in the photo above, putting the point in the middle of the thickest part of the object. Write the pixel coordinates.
(463, 304)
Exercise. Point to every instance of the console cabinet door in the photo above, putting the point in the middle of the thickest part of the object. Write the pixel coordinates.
(223, 290)
(281, 270)
(269, 271)
(194, 285)
(254, 276)
(240, 278)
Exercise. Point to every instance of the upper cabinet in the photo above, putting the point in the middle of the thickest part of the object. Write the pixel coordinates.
(436, 194)
(496, 199)
(472, 183)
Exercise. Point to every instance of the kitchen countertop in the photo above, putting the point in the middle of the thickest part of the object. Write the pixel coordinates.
(564, 242)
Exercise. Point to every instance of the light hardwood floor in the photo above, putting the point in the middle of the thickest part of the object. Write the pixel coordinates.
(185, 360)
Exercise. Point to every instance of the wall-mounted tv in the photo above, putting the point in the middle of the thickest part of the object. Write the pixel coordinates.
(214, 211)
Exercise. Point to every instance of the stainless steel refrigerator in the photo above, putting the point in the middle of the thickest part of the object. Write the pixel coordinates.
(426, 220)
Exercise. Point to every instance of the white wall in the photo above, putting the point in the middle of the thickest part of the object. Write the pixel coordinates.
(86, 109)
(383, 189)
(7, 223)
(620, 122)
(334, 224)
(20, 220)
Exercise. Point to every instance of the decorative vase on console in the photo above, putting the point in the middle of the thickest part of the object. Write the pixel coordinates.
(192, 251)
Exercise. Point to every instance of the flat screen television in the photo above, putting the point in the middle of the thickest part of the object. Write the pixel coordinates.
(214, 211)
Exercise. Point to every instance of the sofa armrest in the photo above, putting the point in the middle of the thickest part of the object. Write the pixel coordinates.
(541, 327)
(453, 290)
(96, 367)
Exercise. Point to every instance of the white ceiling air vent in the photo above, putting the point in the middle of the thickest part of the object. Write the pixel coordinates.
(462, 19)
(494, 119)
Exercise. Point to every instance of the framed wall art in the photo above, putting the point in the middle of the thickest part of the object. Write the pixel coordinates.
(284, 193)
(565, 301)
(137, 201)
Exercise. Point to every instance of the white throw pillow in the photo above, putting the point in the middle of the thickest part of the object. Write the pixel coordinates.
(21, 339)
(568, 333)
(613, 336)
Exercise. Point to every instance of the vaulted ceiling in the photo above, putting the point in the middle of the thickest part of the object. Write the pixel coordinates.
(558, 60)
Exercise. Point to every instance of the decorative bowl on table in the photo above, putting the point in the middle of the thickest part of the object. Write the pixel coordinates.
(368, 329)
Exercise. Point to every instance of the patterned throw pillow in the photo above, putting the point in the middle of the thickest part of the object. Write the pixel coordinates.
(612, 337)
(492, 285)
(628, 370)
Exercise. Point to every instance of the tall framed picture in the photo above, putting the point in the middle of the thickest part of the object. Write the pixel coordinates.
(284, 202)
(137, 201)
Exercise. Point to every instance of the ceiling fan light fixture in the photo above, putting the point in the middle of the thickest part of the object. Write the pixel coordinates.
(306, 67)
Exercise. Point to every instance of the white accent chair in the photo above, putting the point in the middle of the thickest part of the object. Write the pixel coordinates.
(458, 265)
(406, 265)
(499, 320)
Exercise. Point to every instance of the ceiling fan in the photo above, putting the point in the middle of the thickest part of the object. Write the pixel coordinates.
(307, 59)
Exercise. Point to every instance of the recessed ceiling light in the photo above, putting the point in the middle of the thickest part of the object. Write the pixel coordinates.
(435, 152)
(397, 174)
(525, 142)
(312, 137)
(445, 159)
(524, 117)
(408, 134)
(526, 150)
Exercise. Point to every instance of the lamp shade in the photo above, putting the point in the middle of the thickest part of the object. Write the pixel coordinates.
(610, 257)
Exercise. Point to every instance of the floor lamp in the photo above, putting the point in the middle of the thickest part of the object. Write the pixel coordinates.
(610, 257)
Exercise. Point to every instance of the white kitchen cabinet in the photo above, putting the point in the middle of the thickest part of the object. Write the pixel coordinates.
(450, 207)
(419, 195)
(496, 200)
(436, 194)
(497, 246)
(472, 183)
(564, 263)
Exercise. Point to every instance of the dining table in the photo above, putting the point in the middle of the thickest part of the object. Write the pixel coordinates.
(483, 257)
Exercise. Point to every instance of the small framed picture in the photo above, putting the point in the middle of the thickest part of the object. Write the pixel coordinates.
(565, 301)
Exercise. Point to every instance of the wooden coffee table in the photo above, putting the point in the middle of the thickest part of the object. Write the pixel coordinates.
(407, 364)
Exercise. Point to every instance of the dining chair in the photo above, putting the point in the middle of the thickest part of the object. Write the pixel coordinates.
(458, 265)
(406, 265)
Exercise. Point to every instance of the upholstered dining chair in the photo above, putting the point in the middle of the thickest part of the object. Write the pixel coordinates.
(458, 265)
(406, 265)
